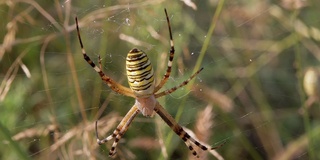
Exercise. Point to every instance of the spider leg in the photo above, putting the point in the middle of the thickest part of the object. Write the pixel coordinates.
(166, 92)
(166, 76)
(180, 131)
(99, 61)
(119, 131)
(111, 83)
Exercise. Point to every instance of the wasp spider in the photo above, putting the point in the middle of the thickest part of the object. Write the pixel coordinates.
(145, 92)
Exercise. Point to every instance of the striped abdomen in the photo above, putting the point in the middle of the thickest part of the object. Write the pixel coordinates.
(140, 73)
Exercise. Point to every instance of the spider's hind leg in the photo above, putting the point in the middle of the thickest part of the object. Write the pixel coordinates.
(169, 66)
(117, 87)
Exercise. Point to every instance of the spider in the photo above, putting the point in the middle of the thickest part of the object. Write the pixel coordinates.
(144, 90)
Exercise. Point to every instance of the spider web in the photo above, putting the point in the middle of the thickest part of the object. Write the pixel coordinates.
(246, 95)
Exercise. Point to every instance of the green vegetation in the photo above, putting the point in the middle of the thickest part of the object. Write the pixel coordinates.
(250, 93)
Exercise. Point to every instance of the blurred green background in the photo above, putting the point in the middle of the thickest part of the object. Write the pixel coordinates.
(252, 93)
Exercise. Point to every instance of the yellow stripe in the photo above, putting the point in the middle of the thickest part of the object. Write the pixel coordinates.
(140, 73)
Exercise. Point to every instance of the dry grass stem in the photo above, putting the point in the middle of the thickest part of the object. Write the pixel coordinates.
(214, 97)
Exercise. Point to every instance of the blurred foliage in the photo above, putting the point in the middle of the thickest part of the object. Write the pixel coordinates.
(250, 93)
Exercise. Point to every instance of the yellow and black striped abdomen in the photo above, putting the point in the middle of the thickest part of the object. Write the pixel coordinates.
(140, 73)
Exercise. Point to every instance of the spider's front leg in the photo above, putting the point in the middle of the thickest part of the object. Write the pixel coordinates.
(188, 140)
(119, 131)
